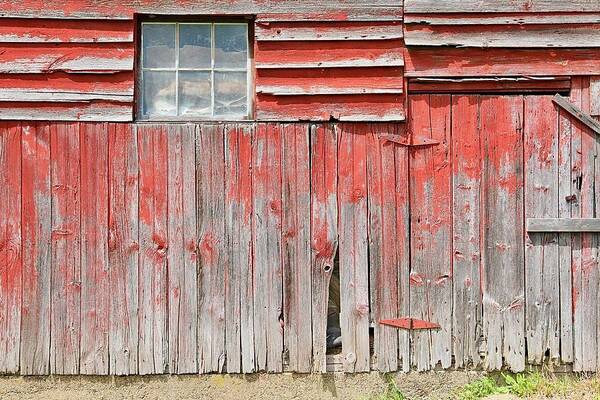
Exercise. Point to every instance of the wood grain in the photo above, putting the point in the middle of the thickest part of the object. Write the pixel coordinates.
(11, 258)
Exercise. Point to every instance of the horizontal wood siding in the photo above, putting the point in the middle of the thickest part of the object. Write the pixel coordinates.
(68, 70)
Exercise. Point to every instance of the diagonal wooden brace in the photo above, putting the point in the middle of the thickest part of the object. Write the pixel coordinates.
(576, 112)
(410, 324)
(409, 141)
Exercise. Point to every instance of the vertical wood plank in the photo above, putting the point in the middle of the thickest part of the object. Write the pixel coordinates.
(402, 194)
(181, 255)
(541, 250)
(354, 270)
(324, 233)
(238, 232)
(503, 270)
(268, 284)
(36, 205)
(95, 283)
(383, 263)
(210, 188)
(595, 96)
(466, 223)
(66, 268)
(565, 239)
(296, 246)
(585, 245)
(123, 248)
(11, 267)
(152, 278)
(431, 240)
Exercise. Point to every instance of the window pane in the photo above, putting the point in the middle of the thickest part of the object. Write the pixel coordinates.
(159, 93)
(194, 93)
(159, 45)
(230, 94)
(231, 46)
(194, 46)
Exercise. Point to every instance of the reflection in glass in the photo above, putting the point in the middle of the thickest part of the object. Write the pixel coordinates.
(159, 93)
(194, 93)
(230, 94)
(231, 46)
(194, 46)
(158, 45)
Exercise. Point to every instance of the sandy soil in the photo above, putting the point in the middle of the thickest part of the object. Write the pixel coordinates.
(434, 385)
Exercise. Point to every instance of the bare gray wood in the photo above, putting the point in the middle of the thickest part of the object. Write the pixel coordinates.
(123, 250)
(583, 116)
(467, 198)
(210, 196)
(328, 32)
(506, 6)
(564, 239)
(65, 317)
(267, 214)
(56, 94)
(353, 247)
(239, 327)
(322, 90)
(181, 254)
(523, 18)
(81, 112)
(595, 96)
(536, 37)
(297, 274)
(95, 279)
(391, 60)
(503, 264)
(324, 232)
(542, 274)
(563, 224)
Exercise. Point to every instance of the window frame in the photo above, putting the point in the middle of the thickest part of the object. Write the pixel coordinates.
(187, 20)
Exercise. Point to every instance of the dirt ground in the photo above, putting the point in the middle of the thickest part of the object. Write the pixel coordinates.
(434, 385)
(415, 386)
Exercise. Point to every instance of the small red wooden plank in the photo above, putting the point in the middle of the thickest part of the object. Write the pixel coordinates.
(542, 276)
(13, 30)
(296, 250)
(36, 231)
(285, 82)
(353, 228)
(19, 58)
(181, 256)
(377, 107)
(267, 224)
(466, 228)
(431, 224)
(152, 280)
(210, 189)
(11, 261)
(123, 248)
(501, 121)
(410, 324)
(383, 263)
(95, 279)
(65, 321)
(347, 53)
(500, 62)
(324, 233)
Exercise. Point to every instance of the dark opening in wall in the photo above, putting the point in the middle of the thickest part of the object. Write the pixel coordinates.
(334, 333)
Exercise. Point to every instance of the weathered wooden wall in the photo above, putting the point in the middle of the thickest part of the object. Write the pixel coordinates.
(74, 61)
(183, 248)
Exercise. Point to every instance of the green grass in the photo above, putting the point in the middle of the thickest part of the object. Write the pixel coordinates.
(520, 385)
(392, 392)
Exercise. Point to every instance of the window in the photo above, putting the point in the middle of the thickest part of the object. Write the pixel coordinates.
(194, 70)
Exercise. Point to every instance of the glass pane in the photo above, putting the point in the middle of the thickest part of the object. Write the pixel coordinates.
(230, 94)
(159, 45)
(231, 46)
(159, 94)
(194, 46)
(194, 93)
